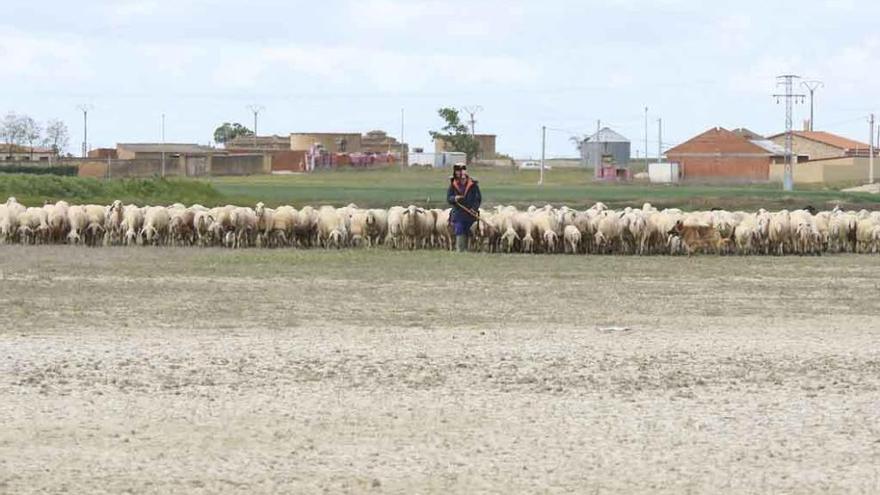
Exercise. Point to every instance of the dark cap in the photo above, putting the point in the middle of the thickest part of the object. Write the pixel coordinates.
(459, 166)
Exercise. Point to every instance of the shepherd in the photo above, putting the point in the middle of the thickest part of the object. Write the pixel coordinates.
(465, 198)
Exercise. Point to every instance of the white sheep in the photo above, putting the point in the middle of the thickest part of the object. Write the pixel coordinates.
(156, 222)
(78, 221)
(132, 224)
(572, 238)
(331, 228)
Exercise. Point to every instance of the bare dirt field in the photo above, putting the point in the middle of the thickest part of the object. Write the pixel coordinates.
(202, 371)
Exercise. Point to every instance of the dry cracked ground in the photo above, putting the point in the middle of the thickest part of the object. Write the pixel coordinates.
(203, 371)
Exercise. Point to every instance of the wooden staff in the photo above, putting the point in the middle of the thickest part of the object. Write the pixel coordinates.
(474, 214)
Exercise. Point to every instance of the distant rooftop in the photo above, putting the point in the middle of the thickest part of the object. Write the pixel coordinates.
(770, 146)
(166, 147)
(747, 133)
(606, 135)
(829, 139)
(23, 149)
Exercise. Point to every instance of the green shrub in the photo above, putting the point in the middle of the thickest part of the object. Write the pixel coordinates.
(68, 170)
(37, 189)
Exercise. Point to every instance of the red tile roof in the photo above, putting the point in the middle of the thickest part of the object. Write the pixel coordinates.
(718, 140)
(829, 139)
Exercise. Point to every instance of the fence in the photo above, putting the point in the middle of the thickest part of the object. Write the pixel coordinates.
(200, 165)
(37, 168)
(176, 166)
(289, 161)
(239, 164)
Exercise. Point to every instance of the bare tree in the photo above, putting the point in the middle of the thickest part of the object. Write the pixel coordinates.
(31, 132)
(11, 131)
(57, 138)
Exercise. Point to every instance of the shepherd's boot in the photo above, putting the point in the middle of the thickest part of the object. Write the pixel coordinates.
(461, 243)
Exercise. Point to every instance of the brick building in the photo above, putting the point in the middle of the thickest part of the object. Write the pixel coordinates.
(720, 155)
(259, 143)
(486, 144)
(332, 142)
(380, 142)
(139, 151)
(819, 145)
(16, 153)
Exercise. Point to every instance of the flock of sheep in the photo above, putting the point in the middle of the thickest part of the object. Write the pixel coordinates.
(503, 229)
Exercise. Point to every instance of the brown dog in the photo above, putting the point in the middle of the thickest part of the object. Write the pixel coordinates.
(698, 238)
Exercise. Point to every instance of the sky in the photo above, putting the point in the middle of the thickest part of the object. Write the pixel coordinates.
(353, 66)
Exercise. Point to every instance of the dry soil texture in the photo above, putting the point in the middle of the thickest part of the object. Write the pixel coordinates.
(185, 370)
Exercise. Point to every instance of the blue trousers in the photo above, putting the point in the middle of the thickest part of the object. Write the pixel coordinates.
(462, 228)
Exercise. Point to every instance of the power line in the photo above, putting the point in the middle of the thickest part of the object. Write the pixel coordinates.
(841, 122)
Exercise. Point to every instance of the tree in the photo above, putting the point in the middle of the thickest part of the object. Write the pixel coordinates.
(31, 132)
(17, 130)
(57, 138)
(227, 132)
(456, 134)
(12, 132)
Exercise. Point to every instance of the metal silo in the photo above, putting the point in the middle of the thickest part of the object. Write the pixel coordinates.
(605, 146)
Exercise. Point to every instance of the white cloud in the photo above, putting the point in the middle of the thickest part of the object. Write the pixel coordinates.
(734, 32)
(391, 14)
(381, 70)
(122, 12)
(171, 59)
(760, 76)
(447, 18)
(853, 68)
(28, 57)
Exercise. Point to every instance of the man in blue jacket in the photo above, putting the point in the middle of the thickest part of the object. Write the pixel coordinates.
(464, 197)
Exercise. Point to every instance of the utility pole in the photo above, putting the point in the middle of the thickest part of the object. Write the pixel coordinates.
(543, 149)
(597, 153)
(163, 145)
(472, 110)
(787, 81)
(871, 151)
(812, 86)
(646, 136)
(659, 140)
(256, 109)
(84, 108)
(402, 149)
